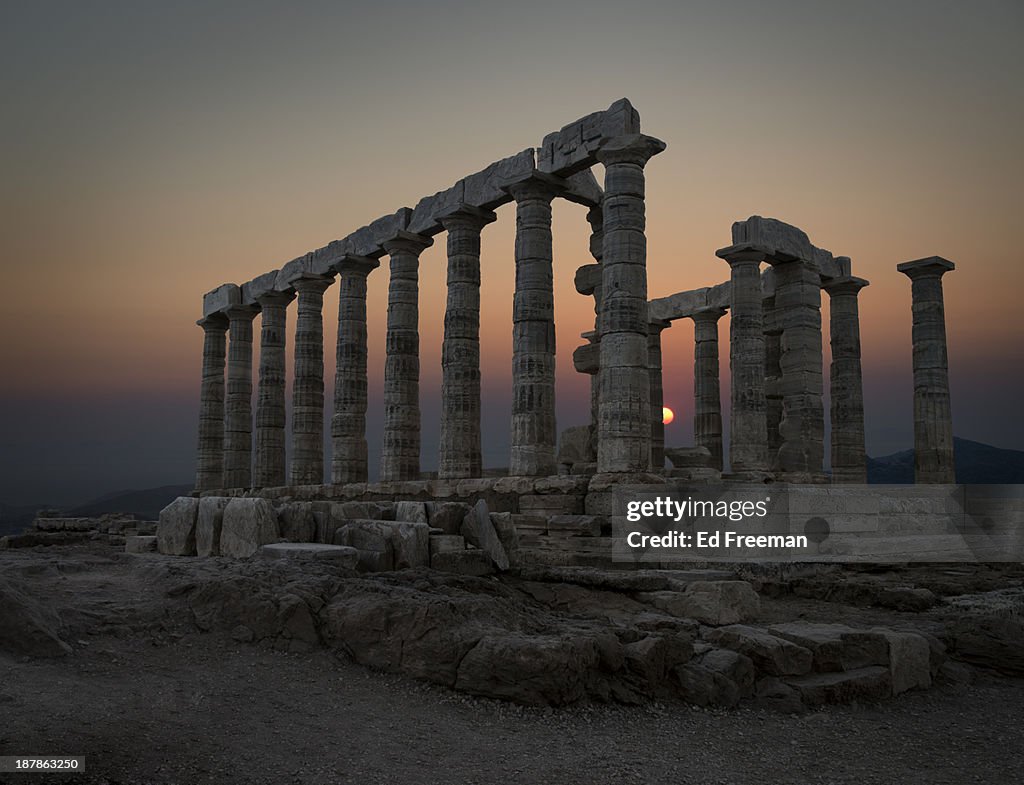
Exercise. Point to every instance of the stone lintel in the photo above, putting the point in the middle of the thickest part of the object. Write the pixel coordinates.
(583, 188)
(655, 326)
(682, 305)
(572, 149)
(352, 264)
(221, 298)
(259, 286)
(848, 284)
(424, 219)
(302, 267)
(487, 189)
(588, 278)
(928, 266)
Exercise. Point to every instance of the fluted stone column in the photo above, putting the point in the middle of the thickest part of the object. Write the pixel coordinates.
(933, 418)
(849, 462)
(802, 427)
(748, 435)
(460, 454)
(270, 396)
(707, 397)
(595, 217)
(210, 464)
(348, 422)
(624, 424)
(772, 363)
(238, 401)
(308, 384)
(654, 368)
(534, 432)
(400, 453)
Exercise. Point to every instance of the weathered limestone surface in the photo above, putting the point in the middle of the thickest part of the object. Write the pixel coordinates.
(270, 401)
(246, 525)
(176, 530)
(624, 424)
(308, 384)
(238, 401)
(849, 462)
(339, 555)
(707, 398)
(400, 451)
(460, 352)
(748, 432)
(933, 419)
(348, 422)
(220, 299)
(209, 520)
(802, 427)
(210, 464)
(576, 146)
(534, 431)
(772, 361)
(654, 330)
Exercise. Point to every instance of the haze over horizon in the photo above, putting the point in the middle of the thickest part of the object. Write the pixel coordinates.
(153, 152)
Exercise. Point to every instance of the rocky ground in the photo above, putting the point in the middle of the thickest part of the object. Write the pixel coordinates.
(179, 670)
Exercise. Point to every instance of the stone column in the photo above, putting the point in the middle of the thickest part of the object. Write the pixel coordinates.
(849, 463)
(933, 419)
(802, 427)
(238, 401)
(707, 397)
(308, 384)
(210, 466)
(348, 422)
(534, 432)
(270, 405)
(748, 435)
(460, 454)
(624, 424)
(654, 330)
(591, 285)
(772, 360)
(400, 454)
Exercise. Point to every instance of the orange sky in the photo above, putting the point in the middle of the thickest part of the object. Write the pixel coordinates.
(154, 153)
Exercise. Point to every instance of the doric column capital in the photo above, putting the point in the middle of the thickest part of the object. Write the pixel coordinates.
(588, 279)
(467, 217)
(241, 312)
(407, 242)
(536, 185)
(709, 315)
(311, 283)
(275, 298)
(350, 264)
(742, 253)
(630, 149)
(847, 284)
(215, 322)
(655, 327)
(929, 267)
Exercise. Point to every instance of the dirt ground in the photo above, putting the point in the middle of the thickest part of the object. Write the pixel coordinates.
(170, 704)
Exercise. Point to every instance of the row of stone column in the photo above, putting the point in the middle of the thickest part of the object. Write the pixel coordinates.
(225, 449)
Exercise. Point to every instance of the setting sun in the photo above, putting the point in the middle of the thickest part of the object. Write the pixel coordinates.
(667, 415)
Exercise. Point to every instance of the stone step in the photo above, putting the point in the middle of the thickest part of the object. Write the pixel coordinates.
(339, 555)
(870, 683)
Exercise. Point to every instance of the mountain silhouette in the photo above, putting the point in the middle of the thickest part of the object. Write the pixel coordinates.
(976, 464)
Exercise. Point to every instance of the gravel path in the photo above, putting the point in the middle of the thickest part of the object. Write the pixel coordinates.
(203, 709)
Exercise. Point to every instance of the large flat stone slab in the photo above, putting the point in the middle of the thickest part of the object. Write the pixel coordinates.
(339, 555)
(176, 530)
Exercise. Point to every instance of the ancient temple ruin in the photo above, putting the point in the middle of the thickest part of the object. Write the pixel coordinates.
(772, 293)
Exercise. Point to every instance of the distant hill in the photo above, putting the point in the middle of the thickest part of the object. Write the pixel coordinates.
(145, 504)
(976, 463)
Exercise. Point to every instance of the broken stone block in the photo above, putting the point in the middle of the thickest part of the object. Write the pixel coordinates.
(689, 457)
(411, 512)
(339, 555)
(373, 541)
(479, 531)
(508, 535)
(709, 602)
(771, 654)
(247, 524)
(443, 543)
(176, 531)
(575, 525)
(411, 544)
(297, 522)
(447, 515)
(836, 647)
(140, 544)
(909, 661)
(208, 524)
(871, 683)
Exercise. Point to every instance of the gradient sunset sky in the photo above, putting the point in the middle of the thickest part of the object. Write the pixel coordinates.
(153, 151)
